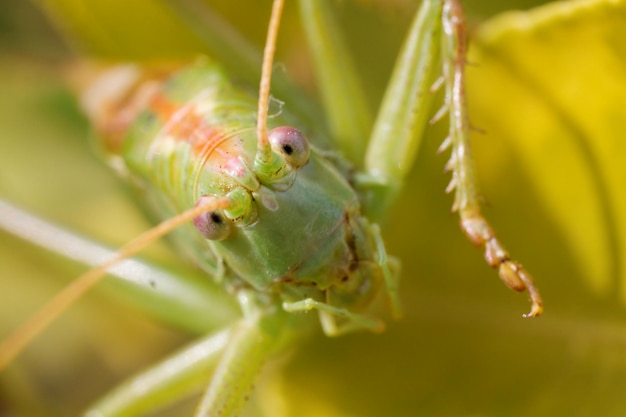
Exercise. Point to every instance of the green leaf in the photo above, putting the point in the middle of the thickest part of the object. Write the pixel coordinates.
(123, 30)
(551, 82)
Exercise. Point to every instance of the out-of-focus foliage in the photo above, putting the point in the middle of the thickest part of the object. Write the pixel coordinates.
(557, 75)
(545, 86)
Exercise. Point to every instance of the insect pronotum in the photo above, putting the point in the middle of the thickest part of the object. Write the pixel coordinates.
(203, 151)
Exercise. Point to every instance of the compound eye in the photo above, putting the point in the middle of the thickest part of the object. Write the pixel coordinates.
(212, 225)
(291, 144)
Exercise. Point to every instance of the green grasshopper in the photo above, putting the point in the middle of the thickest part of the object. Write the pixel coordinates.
(284, 225)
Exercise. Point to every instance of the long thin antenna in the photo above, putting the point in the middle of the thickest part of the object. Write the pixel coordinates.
(41, 319)
(263, 146)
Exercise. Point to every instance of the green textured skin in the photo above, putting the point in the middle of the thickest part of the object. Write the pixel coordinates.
(309, 241)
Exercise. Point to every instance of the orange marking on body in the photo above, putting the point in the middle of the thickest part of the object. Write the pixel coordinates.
(184, 124)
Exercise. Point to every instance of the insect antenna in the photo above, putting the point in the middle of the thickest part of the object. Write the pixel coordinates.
(13, 344)
(264, 151)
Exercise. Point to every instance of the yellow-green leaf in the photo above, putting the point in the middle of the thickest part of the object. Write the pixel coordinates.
(122, 29)
(552, 83)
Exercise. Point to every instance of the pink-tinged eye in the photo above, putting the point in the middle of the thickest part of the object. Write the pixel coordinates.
(291, 144)
(212, 225)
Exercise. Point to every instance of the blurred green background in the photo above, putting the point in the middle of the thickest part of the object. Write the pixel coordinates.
(462, 348)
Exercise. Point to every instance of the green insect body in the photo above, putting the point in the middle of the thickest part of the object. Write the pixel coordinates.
(298, 233)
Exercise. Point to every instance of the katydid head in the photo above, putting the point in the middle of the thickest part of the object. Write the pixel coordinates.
(308, 239)
(309, 242)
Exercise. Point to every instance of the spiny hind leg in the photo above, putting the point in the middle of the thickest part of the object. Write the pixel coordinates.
(329, 315)
(466, 200)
